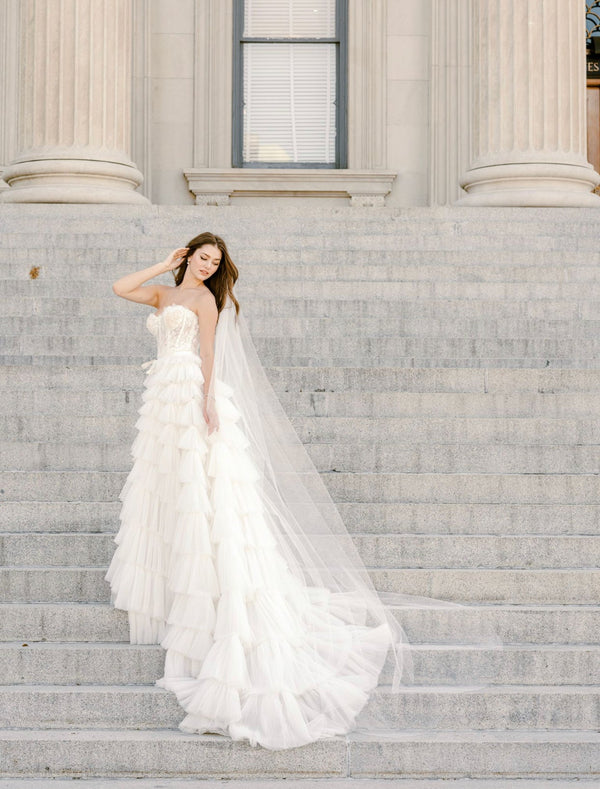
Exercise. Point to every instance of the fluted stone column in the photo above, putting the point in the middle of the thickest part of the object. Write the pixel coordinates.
(75, 105)
(529, 112)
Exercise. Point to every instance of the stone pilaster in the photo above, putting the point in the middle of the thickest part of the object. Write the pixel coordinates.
(450, 98)
(528, 142)
(75, 104)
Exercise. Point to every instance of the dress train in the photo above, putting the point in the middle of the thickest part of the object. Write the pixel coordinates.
(253, 650)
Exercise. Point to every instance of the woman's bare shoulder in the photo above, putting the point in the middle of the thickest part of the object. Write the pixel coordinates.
(205, 308)
(205, 300)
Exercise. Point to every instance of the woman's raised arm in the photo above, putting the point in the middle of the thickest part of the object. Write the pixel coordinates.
(132, 287)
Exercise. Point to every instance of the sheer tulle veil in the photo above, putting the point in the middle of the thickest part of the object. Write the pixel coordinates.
(307, 525)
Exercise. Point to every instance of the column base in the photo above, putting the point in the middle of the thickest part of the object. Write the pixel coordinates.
(76, 180)
(531, 184)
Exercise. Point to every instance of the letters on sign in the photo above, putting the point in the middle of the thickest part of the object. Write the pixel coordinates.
(593, 68)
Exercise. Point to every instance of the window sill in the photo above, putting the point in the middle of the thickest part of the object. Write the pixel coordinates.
(212, 186)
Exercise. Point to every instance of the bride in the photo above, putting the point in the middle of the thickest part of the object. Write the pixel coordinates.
(230, 551)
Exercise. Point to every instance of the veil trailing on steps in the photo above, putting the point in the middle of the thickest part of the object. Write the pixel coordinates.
(317, 547)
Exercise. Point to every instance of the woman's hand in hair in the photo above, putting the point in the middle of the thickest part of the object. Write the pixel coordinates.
(175, 259)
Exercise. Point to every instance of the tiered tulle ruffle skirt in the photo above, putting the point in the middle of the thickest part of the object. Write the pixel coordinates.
(251, 651)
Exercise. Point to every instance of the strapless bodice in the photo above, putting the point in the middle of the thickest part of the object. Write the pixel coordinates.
(175, 329)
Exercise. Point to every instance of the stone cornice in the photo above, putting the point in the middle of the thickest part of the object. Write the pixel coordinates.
(212, 186)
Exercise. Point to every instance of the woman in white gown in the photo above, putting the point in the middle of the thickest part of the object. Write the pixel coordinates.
(230, 552)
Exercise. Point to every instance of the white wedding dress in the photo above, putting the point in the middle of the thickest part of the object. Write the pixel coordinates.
(254, 649)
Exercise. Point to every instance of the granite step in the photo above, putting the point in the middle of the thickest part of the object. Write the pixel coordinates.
(145, 217)
(424, 381)
(242, 226)
(140, 252)
(415, 754)
(476, 488)
(394, 551)
(375, 518)
(106, 663)
(391, 457)
(374, 351)
(328, 783)
(272, 359)
(339, 292)
(131, 325)
(287, 232)
(579, 586)
(297, 264)
(566, 707)
(540, 625)
(349, 487)
(119, 400)
(535, 431)
(104, 305)
(291, 233)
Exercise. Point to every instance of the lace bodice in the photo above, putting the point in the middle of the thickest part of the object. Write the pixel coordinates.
(175, 329)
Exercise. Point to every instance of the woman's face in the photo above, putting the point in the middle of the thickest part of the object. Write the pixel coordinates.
(204, 262)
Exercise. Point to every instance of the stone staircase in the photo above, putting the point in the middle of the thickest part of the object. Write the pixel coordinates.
(441, 365)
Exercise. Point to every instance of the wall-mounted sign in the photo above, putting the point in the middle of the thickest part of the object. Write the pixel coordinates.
(593, 68)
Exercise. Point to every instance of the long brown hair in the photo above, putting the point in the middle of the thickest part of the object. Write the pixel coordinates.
(222, 281)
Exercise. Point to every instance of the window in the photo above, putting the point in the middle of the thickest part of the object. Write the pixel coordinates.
(289, 101)
(592, 18)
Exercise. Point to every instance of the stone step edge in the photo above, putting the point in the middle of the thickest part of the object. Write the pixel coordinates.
(492, 535)
(483, 372)
(427, 735)
(382, 419)
(535, 607)
(513, 646)
(250, 291)
(382, 690)
(305, 783)
(474, 538)
(337, 779)
(521, 571)
(334, 475)
(533, 363)
(373, 534)
(132, 415)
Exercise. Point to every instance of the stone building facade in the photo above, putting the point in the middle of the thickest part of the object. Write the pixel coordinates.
(473, 101)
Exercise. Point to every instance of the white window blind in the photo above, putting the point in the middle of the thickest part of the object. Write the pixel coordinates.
(289, 103)
(289, 18)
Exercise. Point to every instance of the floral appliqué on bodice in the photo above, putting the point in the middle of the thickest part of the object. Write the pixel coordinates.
(175, 329)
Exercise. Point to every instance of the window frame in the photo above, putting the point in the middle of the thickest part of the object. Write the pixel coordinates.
(341, 86)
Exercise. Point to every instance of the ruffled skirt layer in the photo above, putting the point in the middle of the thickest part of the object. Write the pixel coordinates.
(252, 652)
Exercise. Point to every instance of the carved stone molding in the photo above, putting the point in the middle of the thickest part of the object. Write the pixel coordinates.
(212, 186)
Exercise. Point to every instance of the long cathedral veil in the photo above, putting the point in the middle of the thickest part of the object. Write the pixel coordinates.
(306, 523)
